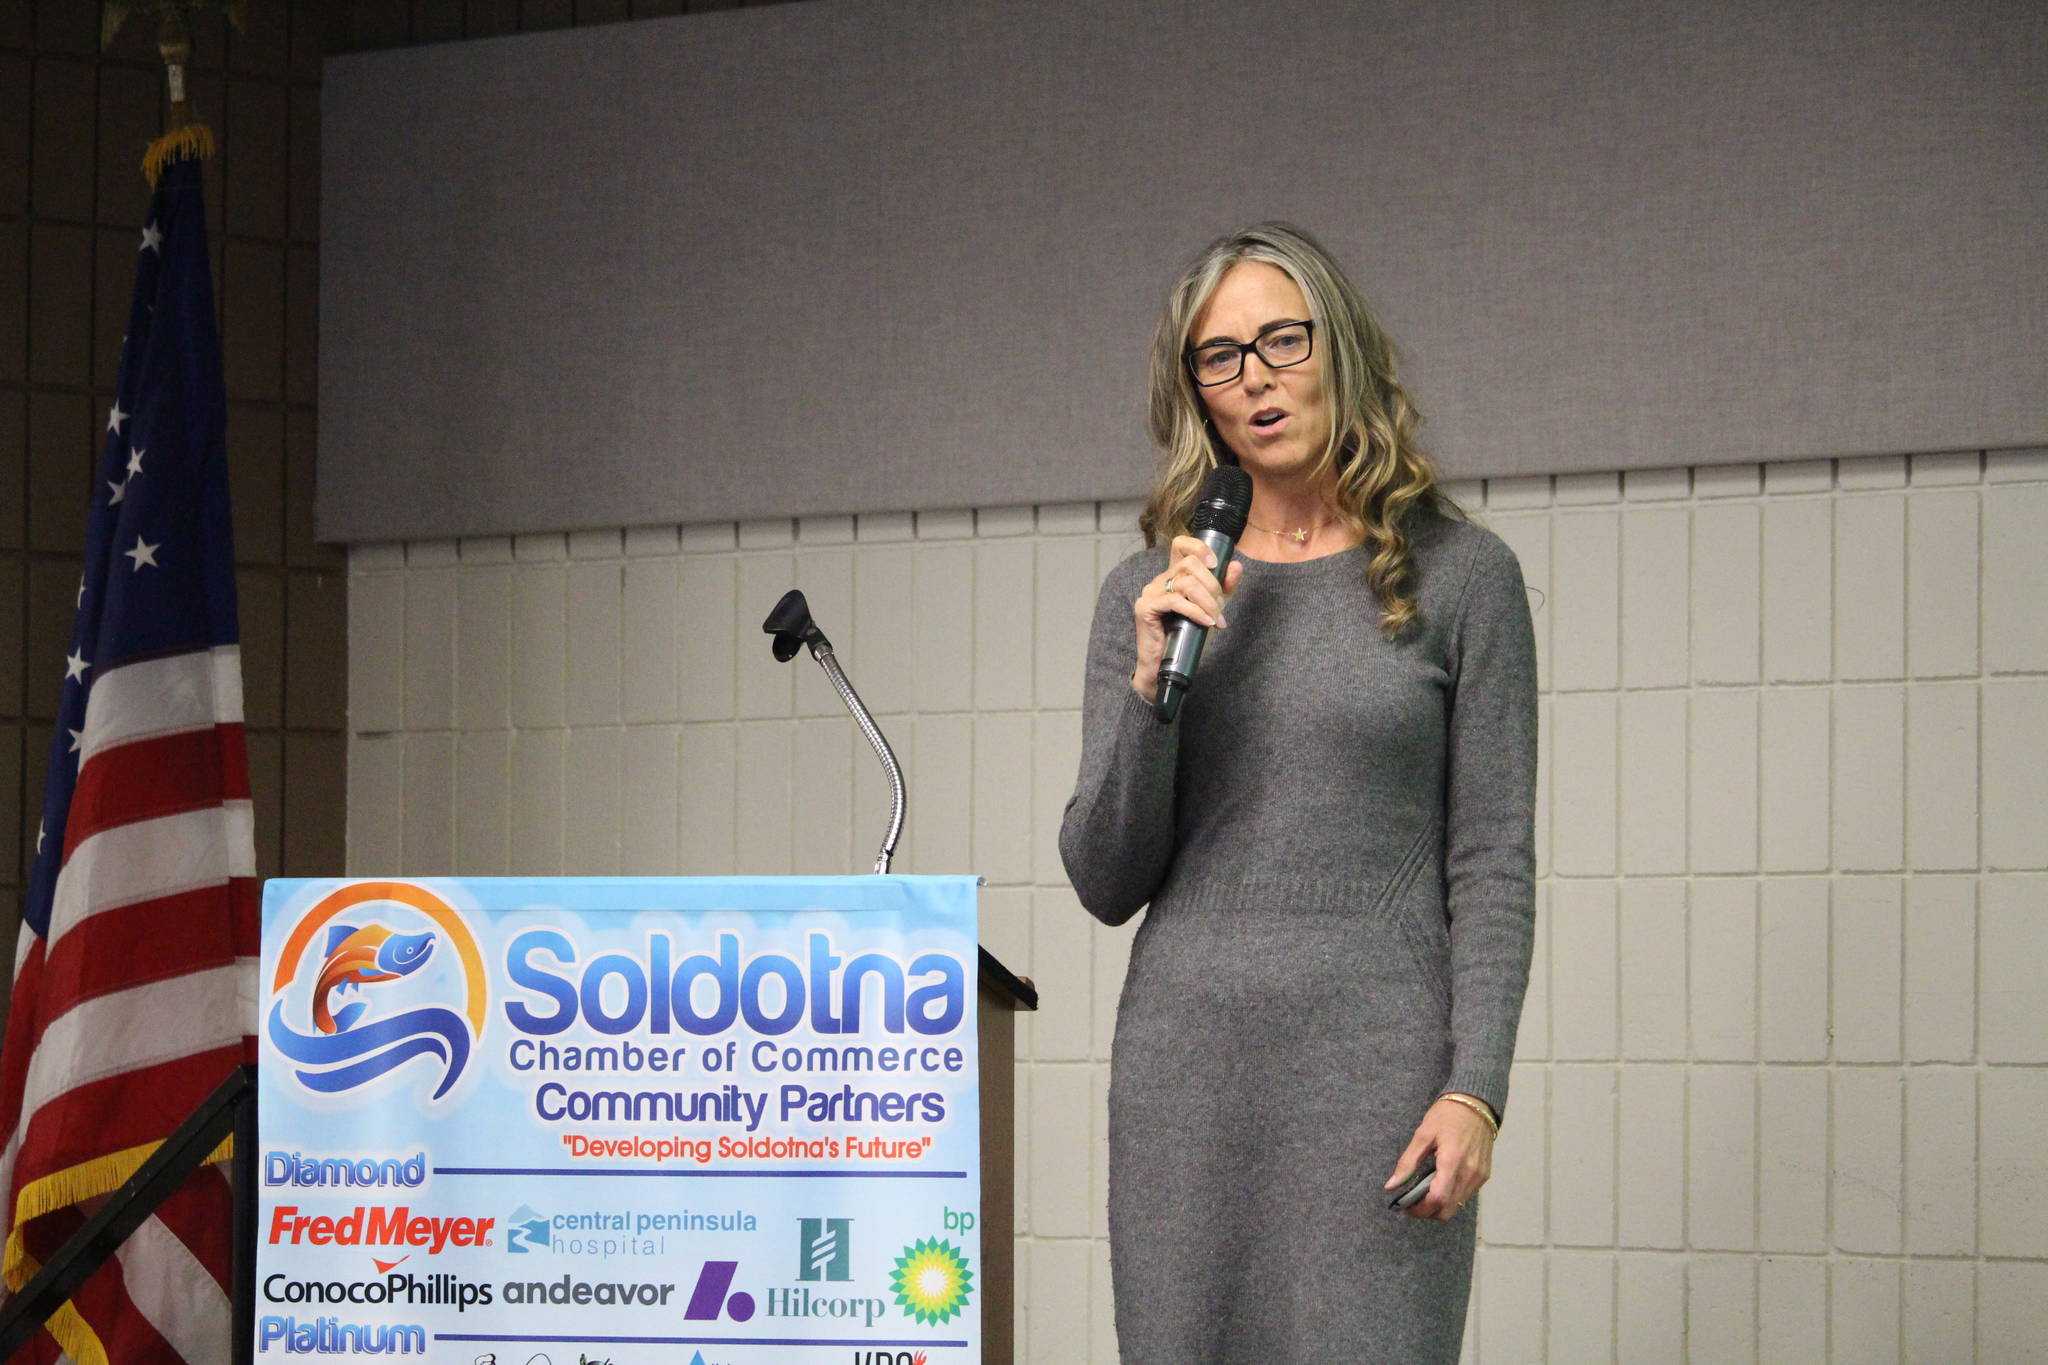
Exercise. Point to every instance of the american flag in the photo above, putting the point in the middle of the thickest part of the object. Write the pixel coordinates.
(135, 970)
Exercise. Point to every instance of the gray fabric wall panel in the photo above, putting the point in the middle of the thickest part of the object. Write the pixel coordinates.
(893, 254)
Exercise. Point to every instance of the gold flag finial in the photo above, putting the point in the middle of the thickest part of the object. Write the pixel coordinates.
(182, 137)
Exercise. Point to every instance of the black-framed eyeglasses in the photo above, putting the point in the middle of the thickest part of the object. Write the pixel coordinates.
(1281, 345)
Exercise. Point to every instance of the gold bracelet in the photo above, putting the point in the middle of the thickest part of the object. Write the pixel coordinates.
(1479, 1107)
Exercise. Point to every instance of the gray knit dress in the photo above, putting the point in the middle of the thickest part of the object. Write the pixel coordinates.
(1335, 840)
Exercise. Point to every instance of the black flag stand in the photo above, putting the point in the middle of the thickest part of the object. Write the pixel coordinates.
(230, 1111)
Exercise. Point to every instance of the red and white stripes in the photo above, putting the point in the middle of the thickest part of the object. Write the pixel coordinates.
(138, 1001)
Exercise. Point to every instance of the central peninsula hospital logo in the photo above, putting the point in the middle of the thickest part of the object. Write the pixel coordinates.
(347, 968)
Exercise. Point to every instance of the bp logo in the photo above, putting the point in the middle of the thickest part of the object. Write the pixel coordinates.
(932, 1281)
(827, 1248)
(349, 966)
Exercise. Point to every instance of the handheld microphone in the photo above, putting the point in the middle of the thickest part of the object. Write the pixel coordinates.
(1218, 521)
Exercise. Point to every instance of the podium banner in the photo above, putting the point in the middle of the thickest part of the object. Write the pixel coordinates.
(679, 1121)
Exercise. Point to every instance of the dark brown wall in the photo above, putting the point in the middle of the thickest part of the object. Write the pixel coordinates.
(73, 124)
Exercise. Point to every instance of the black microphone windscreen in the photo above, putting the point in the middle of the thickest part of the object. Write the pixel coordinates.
(1226, 502)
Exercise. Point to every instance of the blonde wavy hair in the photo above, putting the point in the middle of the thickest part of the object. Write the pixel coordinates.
(1372, 462)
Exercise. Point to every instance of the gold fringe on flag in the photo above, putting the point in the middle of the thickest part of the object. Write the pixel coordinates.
(193, 140)
(62, 1189)
(80, 1344)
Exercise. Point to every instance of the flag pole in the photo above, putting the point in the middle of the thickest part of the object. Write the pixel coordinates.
(134, 977)
(181, 137)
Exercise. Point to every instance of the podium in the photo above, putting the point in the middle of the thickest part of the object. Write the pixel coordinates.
(386, 1006)
(1003, 994)
(677, 1120)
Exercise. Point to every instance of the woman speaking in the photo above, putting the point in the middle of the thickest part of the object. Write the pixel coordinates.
(1334, 837)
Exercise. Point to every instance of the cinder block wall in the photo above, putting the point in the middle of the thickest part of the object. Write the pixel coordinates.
(74, 120)
(1784, 1067)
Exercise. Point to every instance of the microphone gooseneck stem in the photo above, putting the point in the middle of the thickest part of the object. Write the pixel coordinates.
(821, 650)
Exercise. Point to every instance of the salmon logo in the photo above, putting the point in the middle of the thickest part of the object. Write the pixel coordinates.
(356, 956)
(352, 1042)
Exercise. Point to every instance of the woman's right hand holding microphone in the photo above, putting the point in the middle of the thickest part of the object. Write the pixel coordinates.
(1189, 588)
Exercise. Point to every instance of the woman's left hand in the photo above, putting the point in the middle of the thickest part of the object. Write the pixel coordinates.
(1463, 1144)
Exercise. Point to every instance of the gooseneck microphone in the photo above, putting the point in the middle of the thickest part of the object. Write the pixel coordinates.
(1218, 521)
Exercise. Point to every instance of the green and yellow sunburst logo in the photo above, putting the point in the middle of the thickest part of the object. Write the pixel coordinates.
(932, 1281)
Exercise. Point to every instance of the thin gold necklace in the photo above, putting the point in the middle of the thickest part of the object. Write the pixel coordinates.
(1299, 535)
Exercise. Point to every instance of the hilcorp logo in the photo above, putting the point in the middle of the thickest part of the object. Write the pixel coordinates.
(327, 958)
(827, 1248)
(824, 1253)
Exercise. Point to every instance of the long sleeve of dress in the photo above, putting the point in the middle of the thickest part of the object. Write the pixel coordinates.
(1489, 811)
(1116, 838)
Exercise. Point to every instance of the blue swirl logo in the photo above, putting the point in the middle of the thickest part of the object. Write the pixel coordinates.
(348, 1045)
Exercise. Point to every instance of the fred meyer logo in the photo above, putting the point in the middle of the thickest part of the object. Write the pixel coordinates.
(366, 1226)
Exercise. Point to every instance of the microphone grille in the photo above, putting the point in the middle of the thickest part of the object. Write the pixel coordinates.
(1226, 502)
